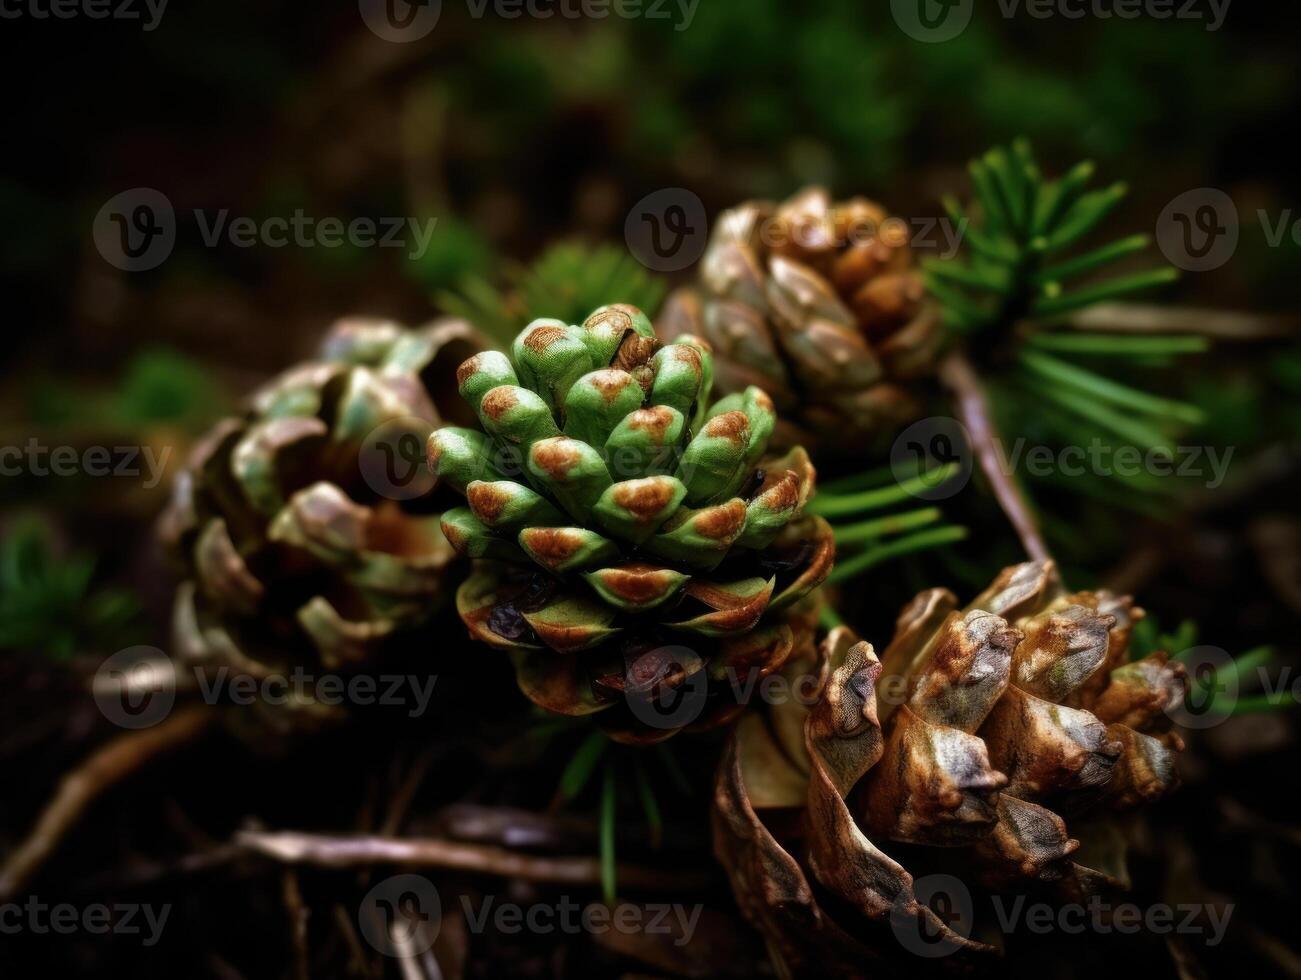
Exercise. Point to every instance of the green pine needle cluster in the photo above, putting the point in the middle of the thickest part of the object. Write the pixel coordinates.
(1024, 235)
(566, 282)
(865, 513)
(1025, 272)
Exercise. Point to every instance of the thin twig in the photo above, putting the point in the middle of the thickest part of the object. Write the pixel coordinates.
(298, 914)
(139, 875)
(110, 765)
(406, 793)
(358, 964)
(974, 413)
(1219, 324)
(415, 963)
(349, 852)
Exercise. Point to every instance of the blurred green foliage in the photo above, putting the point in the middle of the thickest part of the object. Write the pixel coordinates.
(157, 386)
(837, 90)
(567, 282)
(48, 601)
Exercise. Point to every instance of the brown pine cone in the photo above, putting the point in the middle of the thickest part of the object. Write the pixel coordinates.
(296, 551)
(822, 306)
(977, 732)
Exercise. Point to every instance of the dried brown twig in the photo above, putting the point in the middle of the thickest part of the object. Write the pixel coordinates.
(1220, 324)
(298, 914)
(108, 766)
(349, 852)
(973, 411)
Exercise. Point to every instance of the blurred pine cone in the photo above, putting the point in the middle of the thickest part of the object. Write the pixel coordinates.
(820, 305)
(972, 734)
(304, 531)
(636, 545)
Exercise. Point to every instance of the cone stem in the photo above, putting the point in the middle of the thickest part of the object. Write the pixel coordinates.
(973, 410)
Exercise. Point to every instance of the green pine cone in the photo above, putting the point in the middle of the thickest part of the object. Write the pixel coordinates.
(306, 534)
(635, 547)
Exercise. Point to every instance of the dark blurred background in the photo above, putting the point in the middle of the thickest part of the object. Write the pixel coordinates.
(516, 133)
